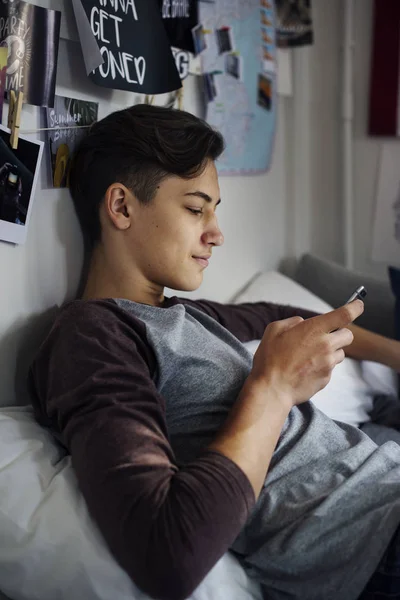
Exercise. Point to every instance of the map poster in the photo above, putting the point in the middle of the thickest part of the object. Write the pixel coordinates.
(240, 81)
(68, 122)
(31, 34)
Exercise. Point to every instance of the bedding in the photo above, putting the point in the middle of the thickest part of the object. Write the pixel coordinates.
(50, 547)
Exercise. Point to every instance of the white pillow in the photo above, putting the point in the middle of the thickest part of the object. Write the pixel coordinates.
(49, 546)
(349, 395)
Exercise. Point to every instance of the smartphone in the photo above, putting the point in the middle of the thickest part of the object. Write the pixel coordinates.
(358, 294)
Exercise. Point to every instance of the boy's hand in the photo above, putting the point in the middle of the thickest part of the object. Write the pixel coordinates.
(295, 357)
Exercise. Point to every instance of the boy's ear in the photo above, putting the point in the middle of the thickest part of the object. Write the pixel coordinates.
(118, 205)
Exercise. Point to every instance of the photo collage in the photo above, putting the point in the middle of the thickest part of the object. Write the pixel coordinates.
(268, 49)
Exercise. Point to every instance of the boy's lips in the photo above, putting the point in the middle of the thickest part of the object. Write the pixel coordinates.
(202, 260)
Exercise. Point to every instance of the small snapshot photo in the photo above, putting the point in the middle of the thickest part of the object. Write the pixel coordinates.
(68, 123)
(294, 23)
(224, 40)
(265, 89)
(210, 88)
(268, 56)
(267, 36)
(19, 171)
(266, 19)
(233, 65)
(199, 39)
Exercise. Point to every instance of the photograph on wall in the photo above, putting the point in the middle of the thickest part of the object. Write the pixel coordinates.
(3, 75)
(199, 39)
(179, 17)
(233, 65)
(294, 25)
(224, 39)
(31, 34)
(266, 18)
(210, 87)
(386, 227)
(133, 44)
(19, 171)
(265, 91)
(69, 121)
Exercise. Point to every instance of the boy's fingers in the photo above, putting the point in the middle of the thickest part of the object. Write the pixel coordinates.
(283, 324)
(340, 317)
(341, 338)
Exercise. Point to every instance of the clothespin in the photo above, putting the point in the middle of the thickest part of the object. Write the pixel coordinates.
(14, 117)
(179, 95)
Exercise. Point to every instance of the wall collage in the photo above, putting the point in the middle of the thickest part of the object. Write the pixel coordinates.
(144, 46)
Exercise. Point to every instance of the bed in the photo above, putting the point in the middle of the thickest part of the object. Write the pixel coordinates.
(49, 546)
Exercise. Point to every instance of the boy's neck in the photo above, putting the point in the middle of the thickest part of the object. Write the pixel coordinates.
(107, 278)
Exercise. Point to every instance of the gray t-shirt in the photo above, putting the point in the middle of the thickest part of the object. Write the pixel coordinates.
(331, 499)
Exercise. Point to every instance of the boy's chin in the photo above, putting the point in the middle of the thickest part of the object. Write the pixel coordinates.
(188, 285)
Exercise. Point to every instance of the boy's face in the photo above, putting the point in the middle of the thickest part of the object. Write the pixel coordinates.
(179, 226)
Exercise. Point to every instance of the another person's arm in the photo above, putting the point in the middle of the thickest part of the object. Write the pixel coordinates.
(372, 346)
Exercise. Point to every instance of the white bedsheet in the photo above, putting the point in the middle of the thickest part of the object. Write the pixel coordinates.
(50, 547)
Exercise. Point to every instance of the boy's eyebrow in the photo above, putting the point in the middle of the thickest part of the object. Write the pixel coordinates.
(203, 195)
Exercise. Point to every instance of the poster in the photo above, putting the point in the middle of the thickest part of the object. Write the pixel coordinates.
(186, 63)
(384, 105)
(19, 171)
(133, 44)
(386, 224)
(179, 18)
(294, 25)
(31, 34)
(3, 75)
(239, 94)
(69, 121)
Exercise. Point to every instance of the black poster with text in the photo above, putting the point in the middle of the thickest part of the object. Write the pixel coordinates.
(134, 46)
(31, 34)
(179, 18)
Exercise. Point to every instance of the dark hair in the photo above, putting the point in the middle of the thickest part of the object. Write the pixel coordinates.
(138, 147)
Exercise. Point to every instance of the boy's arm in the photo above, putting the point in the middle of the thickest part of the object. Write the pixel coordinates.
(247, 321)
(166, 526)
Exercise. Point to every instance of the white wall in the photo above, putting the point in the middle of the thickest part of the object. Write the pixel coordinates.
(366, 149)
(42, 274)
(321, 89)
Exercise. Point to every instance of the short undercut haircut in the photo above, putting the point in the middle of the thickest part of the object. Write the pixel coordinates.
(139, 147)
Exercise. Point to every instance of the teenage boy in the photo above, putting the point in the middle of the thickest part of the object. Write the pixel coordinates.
(185, 446)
